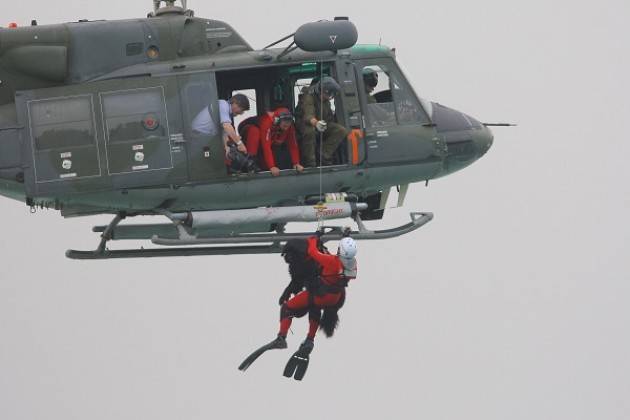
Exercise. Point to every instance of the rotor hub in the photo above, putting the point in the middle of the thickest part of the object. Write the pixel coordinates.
(170, 8)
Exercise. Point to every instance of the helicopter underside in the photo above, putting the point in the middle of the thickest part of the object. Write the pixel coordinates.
(256, 227)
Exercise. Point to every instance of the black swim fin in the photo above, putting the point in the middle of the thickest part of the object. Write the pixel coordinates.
(279, 343)
(298, 363)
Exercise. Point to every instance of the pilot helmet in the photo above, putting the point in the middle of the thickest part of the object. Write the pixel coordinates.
(370, 77)
(329, 86)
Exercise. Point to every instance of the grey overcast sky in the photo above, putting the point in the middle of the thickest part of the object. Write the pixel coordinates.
(511, 304)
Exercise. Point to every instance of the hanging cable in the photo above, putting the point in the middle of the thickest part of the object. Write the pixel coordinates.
(321, 144)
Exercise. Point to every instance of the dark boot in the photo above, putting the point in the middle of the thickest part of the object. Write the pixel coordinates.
(307, 346)
(279, 343)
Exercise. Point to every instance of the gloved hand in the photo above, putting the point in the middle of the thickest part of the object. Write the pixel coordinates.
(321, 126)
(320, 244)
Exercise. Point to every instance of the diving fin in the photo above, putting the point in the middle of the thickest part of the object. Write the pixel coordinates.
(279, 343)
(298, 363)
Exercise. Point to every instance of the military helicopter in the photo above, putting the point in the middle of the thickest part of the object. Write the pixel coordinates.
(95, 118)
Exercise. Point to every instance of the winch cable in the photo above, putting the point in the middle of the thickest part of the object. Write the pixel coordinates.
(321, 145)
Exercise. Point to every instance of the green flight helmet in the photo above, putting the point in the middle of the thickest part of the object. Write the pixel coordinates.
(329, 86)
(370, 77)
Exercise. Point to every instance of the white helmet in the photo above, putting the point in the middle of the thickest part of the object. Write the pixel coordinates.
(347, 248)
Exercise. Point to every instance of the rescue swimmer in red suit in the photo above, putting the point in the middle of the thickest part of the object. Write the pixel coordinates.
(317, 288)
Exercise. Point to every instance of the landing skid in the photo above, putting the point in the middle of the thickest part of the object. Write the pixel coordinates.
(332, 233)
(270, 243)
(170, 252)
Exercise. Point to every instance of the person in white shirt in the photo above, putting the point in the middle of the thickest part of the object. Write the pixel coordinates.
(204, 124)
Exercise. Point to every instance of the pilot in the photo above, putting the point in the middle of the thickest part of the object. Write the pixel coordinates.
(315, 115)
(204, 124)
(377, 111)
(273, 133)
(370, 80)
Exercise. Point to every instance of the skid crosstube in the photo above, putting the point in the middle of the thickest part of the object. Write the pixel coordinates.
(239, 244)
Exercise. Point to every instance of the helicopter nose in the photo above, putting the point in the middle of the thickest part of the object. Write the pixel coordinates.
(483, 140)
(459, 129)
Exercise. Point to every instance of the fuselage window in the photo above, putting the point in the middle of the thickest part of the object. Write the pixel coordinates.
(62, 123)
(64, 138)
(135, 115)
(137, 130)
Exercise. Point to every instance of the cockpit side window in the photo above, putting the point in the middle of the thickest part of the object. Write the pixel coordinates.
(378, 92)
(390, 100)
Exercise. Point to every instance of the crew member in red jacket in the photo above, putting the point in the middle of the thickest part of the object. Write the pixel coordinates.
(274, 134)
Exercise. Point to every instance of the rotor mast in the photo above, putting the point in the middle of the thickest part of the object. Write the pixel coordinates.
(169, 7)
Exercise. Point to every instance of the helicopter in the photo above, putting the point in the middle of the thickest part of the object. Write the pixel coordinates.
(96, 118)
